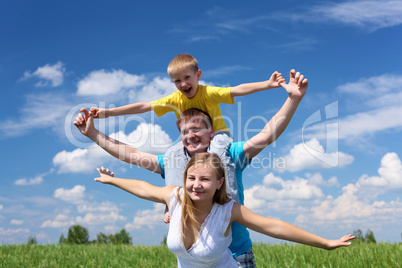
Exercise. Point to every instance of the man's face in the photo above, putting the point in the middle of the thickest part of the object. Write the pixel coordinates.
(186, 81)
(195, 135)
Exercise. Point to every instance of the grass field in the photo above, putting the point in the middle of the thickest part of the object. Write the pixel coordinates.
(357, 255)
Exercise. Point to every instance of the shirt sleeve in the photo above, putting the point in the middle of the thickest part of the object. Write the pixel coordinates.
(166, 104)
(220, 94)
(161, 165)
(236, 152)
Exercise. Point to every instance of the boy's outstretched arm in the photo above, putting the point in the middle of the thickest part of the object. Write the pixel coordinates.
(296, 88)
(245, 89)
(85, 123)
(134, 108)
(138, 188)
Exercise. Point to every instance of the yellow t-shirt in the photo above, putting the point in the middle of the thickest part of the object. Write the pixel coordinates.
(207, 99)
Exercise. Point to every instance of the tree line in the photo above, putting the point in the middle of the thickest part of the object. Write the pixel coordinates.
(78, 235)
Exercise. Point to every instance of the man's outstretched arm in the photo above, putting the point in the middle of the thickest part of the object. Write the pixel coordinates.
(296, 88)
(85, 123)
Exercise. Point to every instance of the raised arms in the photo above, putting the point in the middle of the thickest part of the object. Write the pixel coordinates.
(85, 123)
(296, 88)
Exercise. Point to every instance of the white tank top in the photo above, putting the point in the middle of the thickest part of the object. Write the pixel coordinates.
(212, 247)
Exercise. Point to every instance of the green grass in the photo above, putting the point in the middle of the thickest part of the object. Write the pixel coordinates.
(363, 255)
(357, 255)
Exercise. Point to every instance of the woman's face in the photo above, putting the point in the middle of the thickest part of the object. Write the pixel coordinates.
(202, 182)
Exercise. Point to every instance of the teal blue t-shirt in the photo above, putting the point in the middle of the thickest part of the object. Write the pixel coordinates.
(241, 242)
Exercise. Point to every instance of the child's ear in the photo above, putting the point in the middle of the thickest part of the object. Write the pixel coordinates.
(198, 73)
(222, 180)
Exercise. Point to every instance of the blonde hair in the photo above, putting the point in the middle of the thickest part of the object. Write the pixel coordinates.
(180, 62)
(188, 210)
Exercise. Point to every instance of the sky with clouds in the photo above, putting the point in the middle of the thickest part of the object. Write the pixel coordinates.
(335, 169)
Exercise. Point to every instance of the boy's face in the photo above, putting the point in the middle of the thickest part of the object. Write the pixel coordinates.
(186, 81)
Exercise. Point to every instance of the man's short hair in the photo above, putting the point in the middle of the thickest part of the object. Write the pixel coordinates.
(193, 114)
(180, 62)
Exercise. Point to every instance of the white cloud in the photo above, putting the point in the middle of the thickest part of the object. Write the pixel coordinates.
(13, 231)
(390, 178)
(381, 94)
(1, 207)
(60, 221)
(41, 111)
(146, 137)
(311, 154)
(80, 160)
(16, 222)
(33, 181)
(349, 208)
(316, 179)
(148, 218)
(56, 224)
(275, 188)
(48, 73)
(74, 195)
(105, 206)
(153, 90)
(376, 86)
(372, 15)
(359, 202)
(102, 82)
(97, 218)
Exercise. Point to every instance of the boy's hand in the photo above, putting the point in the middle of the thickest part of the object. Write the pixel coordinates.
(276, 80)
(84, 122)
(297, 86)
(99, 112)
(106, 176)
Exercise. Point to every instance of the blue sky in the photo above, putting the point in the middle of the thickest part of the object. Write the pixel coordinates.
(335, 169)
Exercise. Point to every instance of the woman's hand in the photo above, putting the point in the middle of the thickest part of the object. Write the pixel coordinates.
(106, 176)
(343, 242)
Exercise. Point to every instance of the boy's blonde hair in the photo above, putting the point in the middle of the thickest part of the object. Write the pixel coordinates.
(180, 62)
(188, 210)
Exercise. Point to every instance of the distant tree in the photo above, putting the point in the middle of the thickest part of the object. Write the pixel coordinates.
(359, 235)
(32, 240)
(369, 237)
(62, 240)
(121, 238)
(77, 235)
(102, 238)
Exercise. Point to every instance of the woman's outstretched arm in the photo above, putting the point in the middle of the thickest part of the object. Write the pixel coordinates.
(138, 188)
(282, 230)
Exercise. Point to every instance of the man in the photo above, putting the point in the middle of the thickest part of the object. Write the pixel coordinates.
(196, 134)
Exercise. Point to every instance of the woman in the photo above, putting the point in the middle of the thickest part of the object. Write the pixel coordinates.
(201, 215)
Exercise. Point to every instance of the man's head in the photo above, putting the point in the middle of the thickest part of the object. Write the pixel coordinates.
(196, 130)
(183, 69)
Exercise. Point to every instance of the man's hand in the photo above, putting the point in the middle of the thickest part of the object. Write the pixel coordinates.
(297, 86)
(84, 122)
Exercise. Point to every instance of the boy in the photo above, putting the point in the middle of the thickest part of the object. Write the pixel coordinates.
(185, 74)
